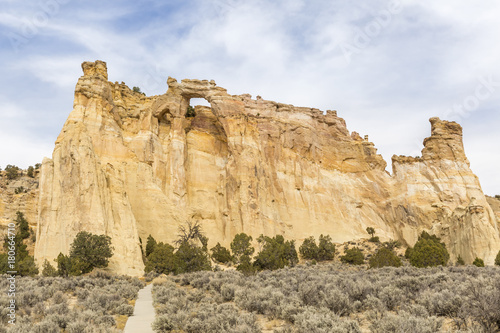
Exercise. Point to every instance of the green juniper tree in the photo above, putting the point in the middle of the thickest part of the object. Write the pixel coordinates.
(242, 246)
(428, 251)
(478, 262)
(309, 249)
(150, 245)
(353, 256)
(385, 257)
(93, 251)
(275, 253)
(221, 254)
(326, 249)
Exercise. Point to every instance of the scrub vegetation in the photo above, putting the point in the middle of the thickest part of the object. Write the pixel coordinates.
(330, 298)
(97, 302)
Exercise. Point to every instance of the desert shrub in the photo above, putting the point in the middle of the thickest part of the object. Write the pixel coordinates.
(311, 294)
(326, 249)
(428, 251)
(405, 322)
(337, 302)
(197, 311)
(92, 250)
(190, 112)
(68, 266)
(124, 309)
(48, 270)
(460, 261)
(191, 258)
(497, 259)
(392, 297)
(27, 266)
(374, 239)
(162, 259)
(245, 266)
(4, 264)
(227, 292)
(275, 253)
(478, 262)
(19, 190)
(323, 321)
(77, 327)
(353, 256)
(59, 298)
(223, 318)
(309, 249)
(442, 303)
(190, 232)
(221, 254)
(12, 171)
(241, 246)
(483, 304)
(162, 324)
(385, 257)
(408, 252)
(392, 244)
(31, 172)
(61, 321)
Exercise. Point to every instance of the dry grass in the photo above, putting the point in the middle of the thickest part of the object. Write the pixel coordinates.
(121, 321)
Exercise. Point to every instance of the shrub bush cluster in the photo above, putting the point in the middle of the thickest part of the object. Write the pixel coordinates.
(192, 255)
(75, 304)
(331, 298)
(197, 311)
(12, 172)
(188, 257)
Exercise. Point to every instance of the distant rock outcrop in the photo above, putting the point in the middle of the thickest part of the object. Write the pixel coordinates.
(128, 165)
(18, 195)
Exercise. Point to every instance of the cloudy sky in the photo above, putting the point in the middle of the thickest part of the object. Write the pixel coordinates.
(386, 66)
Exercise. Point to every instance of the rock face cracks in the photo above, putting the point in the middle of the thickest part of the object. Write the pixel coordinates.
(127, 165)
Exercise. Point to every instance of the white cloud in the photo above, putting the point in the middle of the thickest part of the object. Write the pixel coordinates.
(428, 57)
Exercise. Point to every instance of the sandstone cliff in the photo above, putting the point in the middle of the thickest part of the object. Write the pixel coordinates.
(128, 166)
